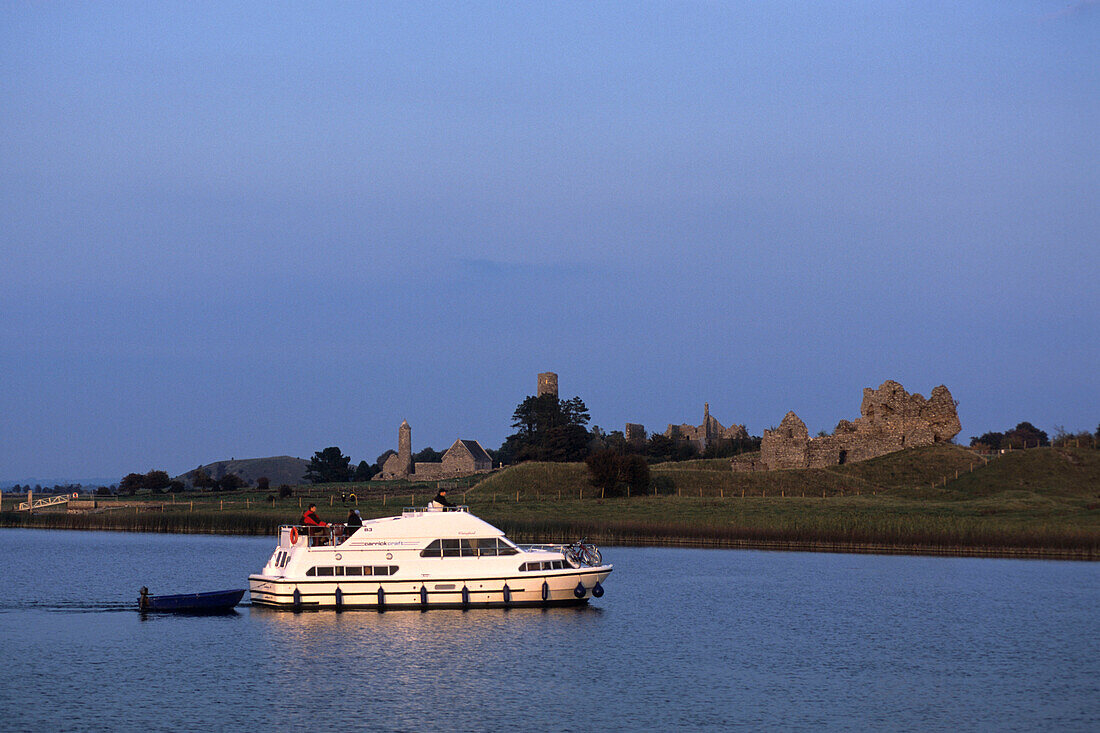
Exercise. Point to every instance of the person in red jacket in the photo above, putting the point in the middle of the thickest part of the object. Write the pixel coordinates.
(314, 523)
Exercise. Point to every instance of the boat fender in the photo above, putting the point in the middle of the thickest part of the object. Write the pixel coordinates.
(545, 591)
(339, 598)
(507, 594)
(597, 590)
(465, 596)
(297, 598)
(293, 535)
(381, 598)
(579, 591)
(423, 595)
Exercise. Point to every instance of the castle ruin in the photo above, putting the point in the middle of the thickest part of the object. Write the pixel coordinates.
(703, 435)
(890, 419)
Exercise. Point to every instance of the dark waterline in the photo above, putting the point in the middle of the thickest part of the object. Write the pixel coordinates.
(683, 638)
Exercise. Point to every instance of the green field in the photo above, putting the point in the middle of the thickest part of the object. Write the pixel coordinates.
(941, 499)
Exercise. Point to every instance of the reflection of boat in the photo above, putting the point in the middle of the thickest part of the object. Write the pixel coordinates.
(212, 602)
(423, 559)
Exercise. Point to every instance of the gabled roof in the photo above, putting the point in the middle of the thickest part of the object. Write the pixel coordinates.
(473, 448)
(476, 450)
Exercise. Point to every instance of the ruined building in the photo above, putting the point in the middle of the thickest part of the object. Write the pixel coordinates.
(890, 419)
(463, 458)
(548, 384)
(703, 435)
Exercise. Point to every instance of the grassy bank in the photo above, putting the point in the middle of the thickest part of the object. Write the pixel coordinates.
(939, 500)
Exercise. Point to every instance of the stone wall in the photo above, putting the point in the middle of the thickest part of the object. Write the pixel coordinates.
(635, 434)
(890, 419)
(706, 433)
(548, 384)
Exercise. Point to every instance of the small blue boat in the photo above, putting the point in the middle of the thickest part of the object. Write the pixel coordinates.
(211, 602)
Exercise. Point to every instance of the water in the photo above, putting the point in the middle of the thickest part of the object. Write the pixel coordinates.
(699, 639)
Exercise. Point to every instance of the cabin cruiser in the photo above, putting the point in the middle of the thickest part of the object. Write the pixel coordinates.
(425, 558)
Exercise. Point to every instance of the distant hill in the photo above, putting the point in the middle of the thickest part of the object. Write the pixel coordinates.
(278, 469)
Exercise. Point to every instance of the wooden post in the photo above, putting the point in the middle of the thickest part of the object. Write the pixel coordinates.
(383, 500)
(192, 506)
(330, 499)
(721, 493)
(221, 505)
(517, 496)
(299, 502)
(246, 503)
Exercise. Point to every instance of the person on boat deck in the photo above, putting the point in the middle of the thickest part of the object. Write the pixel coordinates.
(354, 521)
(310, 518)
(440, 501)
(314, 524)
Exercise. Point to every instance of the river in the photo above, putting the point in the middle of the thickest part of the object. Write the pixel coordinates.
(696, 639)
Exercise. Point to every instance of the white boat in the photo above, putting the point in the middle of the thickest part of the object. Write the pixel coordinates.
(425, 558)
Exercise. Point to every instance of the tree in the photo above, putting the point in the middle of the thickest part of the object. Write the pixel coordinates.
(992, 441)
(103, 491)
(604, 470)
(328, 466)
(285, 491)
(548, 429)
(363, 472)
(613, 474)
(202, 479)
(635, 473)
(157, 481)
(1026, 435)
(427, 456)
(263, 483)
(130, 483)
(230, 482)
(176, 487)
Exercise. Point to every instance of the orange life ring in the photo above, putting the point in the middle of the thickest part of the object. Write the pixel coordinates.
(293, 535)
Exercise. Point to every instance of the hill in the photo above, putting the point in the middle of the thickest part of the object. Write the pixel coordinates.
(277, 469)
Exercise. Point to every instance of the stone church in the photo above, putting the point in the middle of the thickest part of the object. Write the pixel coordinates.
(463, 458)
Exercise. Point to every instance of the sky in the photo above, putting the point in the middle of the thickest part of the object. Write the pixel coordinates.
(243, 230)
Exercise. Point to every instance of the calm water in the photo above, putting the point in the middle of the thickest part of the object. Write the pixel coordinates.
(702, 639)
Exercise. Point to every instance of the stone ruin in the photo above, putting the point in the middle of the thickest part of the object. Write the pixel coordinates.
(463, 458)
(703, 435)
(890, 419)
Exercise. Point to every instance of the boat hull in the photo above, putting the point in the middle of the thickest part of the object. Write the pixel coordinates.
(561, 589)
(212, 602)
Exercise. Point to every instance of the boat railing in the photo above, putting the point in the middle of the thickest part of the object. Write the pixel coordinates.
(416, 511)
(311, 535)
(577, 553)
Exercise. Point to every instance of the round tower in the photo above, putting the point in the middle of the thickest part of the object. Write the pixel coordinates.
(548, 384)
(404, 445)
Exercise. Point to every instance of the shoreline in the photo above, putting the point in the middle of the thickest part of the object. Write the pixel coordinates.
(74, 523)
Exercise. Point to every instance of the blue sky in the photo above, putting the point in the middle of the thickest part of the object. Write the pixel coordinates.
(260, 229)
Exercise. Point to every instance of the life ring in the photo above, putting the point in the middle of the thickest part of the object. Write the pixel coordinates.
(293, 535)
(76, 495)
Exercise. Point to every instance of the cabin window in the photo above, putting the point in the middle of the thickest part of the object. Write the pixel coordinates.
(450, 548)
(311, 572)
(504, 547)
(325, 571)
(433, 550)
(353, 570)
(468, 548)
(339, 570)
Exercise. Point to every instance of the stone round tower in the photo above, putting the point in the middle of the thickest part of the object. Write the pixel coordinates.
(548, 384)
(405, 445)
